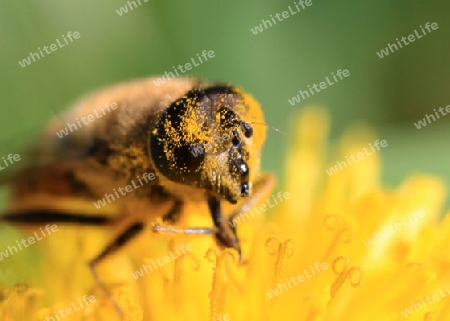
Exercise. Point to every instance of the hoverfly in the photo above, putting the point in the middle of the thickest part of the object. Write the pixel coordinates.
(149, 133)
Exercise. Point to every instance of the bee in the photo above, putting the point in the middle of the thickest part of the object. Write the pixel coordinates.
(166, 136)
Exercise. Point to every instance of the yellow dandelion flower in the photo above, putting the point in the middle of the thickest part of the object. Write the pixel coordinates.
(339, 247)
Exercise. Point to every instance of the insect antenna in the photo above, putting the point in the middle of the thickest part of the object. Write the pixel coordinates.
(271, 127)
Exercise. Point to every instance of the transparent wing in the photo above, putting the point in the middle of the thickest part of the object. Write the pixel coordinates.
(31, 150)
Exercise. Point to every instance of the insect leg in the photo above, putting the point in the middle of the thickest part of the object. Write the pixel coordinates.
(174, 230)
(172, 216)
(262, 186)
(48, 216)
(222, 234)
(117, 243)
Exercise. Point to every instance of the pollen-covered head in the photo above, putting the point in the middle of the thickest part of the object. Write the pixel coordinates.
(206, 140)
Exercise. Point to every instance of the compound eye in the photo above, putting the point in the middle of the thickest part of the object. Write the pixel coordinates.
(176, 157)
(181, 163)
(188, 157)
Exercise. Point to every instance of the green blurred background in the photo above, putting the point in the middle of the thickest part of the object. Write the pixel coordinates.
(388, 94)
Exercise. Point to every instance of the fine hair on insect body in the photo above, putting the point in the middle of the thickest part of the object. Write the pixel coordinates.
(140, 152)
